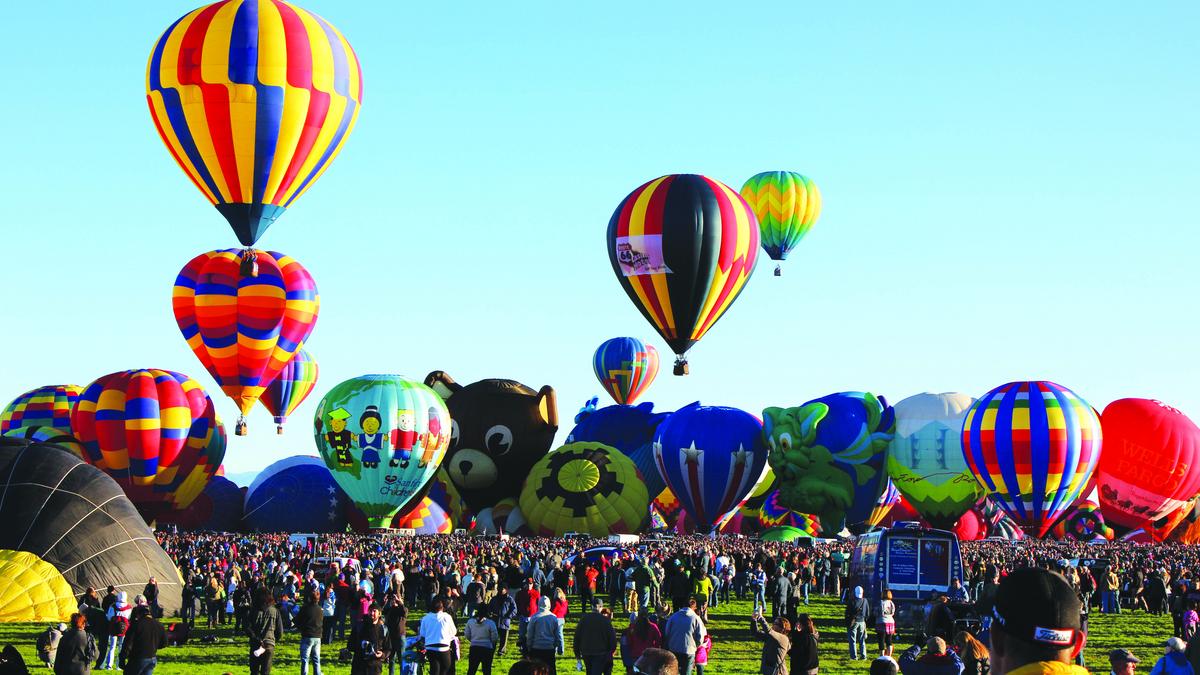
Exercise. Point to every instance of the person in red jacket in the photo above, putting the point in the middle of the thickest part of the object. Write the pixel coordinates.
(527, 606)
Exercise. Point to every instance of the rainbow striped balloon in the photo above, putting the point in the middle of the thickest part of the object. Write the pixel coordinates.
(47, 435)
(1032, 446)
(245, 329)
(683, 246)
(204, 457)
(42, 407)
(626, 367)
(883, 506)
(137, 426)
(253, 99)
(772, 514)
(787, 205)
(289, 389)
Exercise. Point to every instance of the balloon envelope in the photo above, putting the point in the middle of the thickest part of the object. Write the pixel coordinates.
(683, 246)
(925, 459)
(253, 101)
(383, 437)
(1151, 461)
(625, 367)
(1032, 446)
(629, 429)
(295, 494)
(289, 389)
(584, 487)
(712, 458)
(787, 205)
(244, 329)
(48, 407)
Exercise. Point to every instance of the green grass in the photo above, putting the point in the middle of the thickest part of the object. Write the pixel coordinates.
(734, 652)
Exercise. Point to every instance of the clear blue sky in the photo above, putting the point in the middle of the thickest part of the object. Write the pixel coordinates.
(1010, 193)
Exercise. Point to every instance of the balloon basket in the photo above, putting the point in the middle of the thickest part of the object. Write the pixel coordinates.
(778, 271)
(279, 430)
(249, 265)
(681, 367)
(240, 428)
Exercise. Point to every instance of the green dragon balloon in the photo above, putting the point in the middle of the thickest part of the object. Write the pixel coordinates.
(383, 437)
(926, 459)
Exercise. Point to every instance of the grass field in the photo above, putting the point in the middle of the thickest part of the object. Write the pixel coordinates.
(733, 651)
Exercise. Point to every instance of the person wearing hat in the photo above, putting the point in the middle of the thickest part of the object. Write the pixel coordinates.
(47, 643)
(542, 639)
(1035, 625)
(1122, 661)
(596, 641)
(936, 660)
(1174, 662)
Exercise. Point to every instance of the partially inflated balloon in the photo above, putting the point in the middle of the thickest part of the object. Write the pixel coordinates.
(925, 459)
(1151, 461)
(383, 437)
(683, 246)
(42, 407)
(289, 389)
(712, 458)
(202, 458)
(829, 454)
(48, 435)
(1032, 446)
(295, 494)
(584, 487)
(244, 329)
(883, 506)
(625, 367)
(147, 429)
(787, 205)
(253, 99)
(1084, 522)
(32, 590)
(629, 429)
(772, 514)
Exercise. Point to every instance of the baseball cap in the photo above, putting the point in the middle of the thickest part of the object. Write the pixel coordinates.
(1122, 656)
(1038, 606)
(1175, 644)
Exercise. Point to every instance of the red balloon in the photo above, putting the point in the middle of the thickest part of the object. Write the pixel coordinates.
(970, 527)
(1150, 466)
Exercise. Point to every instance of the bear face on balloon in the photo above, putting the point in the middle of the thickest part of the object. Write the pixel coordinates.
(499, 430)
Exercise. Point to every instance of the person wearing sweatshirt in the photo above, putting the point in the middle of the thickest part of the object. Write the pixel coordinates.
(118, 615)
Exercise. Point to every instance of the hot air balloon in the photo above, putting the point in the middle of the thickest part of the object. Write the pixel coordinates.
(1151, 462)
(772, 514)
(1084, 522)
(584, 487)
(32, 590)
(667, 504)
(49, 436)
(42, 407)
(829, 455)
(627, 428)
(289, 389)
(1160, 530)
(204, 457)
(883, 506)
(712, 458)
(145, 428)
(295, 494)
(1032, 446)
(784, 534)
(76, 519)
(787, 205)
(925, 459)
(219, 508)
(625, 367)
(253, 100)
(682, 247)
(383, 437)
(244, 329)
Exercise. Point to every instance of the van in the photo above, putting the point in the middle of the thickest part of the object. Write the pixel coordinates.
(623, 539)
(914, 562)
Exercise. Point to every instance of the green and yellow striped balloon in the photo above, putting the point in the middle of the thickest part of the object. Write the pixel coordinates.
(787, 205)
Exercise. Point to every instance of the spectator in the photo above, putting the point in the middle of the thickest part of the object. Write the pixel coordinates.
(1122, 662)
(503, 609)
(974, 655)
(856, 624)
(77, 649)
(683, 633)
(311, 622)
(264, 627)
(935, 661)
(47, 643)
(542, 637)
(528, 667)
(655, 661)
(482, 636)
(702, 653)
(775, 641)
(1035, 627)
(1174, 662)
(370, 644)
(596, 641)
(139, 652)
(941, 619)
(803, 656)
(641, 635)
(395, 619)
(885, 624)
(884, 665)
(438, 631)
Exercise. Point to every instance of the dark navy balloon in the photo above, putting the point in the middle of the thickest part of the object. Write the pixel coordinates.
(627, 428)
(296, 494)
(712, 458)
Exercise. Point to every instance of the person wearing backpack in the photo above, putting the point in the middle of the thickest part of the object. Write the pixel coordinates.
(47, 643)
(76, 650)
(118, 626)
(146, 636)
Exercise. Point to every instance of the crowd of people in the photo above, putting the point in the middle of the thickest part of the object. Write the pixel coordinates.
(390, 602)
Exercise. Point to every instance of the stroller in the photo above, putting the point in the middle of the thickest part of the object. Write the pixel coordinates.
(413, 657)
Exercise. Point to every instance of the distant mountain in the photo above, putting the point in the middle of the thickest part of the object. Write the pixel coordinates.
(243, 479)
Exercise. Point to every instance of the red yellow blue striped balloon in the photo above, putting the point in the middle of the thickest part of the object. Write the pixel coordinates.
(47, 436)
(289, 389)
(42, 407)
(253, 99)
(626, 367)
(138, 426)
(683, 246)
(1033, 447)
(883, 505)
(787, 205)
(245, 330)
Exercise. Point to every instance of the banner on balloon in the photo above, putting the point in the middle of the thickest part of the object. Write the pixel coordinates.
(641, 254)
